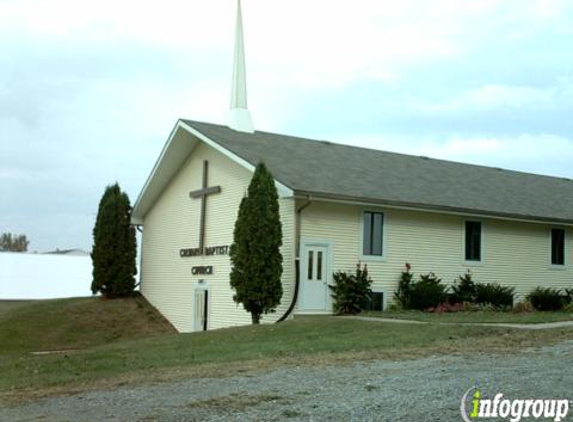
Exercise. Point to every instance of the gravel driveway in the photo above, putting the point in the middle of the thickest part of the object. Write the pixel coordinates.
(426, 389)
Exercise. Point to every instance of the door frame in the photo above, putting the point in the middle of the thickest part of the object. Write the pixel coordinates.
(305, 243)
(205, 288)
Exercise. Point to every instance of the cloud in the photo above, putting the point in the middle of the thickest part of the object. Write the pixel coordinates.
(494, 96)
(536, 153)
(90, 91)
(172, 23)
(491, 97)
(544, 153)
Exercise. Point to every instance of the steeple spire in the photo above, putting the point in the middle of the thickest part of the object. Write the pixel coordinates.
(239, 116)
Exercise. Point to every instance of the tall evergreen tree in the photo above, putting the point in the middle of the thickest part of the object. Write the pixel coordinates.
(255, 252)
(114, 248)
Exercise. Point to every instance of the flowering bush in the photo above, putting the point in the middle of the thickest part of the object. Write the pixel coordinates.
(402, 296)
(447, 307)
(351, 292)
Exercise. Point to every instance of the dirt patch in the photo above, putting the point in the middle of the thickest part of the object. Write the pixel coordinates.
(234, 402)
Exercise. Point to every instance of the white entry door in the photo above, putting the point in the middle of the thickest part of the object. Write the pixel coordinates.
(315, 276)
(201, 309)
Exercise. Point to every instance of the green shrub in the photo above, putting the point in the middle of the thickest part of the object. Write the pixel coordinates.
(464, 290)
(568, 296)
(495, 295)
(427, 293)
(546, 299)
(351, 292)
(402, 296)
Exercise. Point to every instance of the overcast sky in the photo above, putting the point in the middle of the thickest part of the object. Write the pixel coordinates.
(89, 91)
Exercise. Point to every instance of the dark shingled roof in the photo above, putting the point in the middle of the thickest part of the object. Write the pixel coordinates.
(330, 170)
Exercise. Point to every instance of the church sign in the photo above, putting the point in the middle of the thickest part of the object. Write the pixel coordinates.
(208, 251)
(202, 270)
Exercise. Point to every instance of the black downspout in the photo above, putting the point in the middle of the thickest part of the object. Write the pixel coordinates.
(296, 263)
(295, 295)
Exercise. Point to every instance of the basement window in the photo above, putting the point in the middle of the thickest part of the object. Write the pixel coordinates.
(557, 246)
(473, 241)
(373, 231)
(376, 303)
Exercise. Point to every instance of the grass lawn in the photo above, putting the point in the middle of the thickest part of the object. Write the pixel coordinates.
(476, 316)
(8, 305)
(77, 323)
(117, 342)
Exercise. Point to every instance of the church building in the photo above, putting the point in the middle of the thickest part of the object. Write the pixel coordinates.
(339, 205)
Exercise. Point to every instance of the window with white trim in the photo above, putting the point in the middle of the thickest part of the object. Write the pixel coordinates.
(373, 233)
(557, 247)
(473, 241)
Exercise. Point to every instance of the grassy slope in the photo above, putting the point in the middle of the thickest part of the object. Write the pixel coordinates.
(127, 341)
(9, 305)
(76, 323)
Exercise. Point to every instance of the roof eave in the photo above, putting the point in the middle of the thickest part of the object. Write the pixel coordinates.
(283, 189)
(440, 209)
(139, 210)
(138, 214)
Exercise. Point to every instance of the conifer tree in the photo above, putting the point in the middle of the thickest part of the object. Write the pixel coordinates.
(255, 253)
(114, 249)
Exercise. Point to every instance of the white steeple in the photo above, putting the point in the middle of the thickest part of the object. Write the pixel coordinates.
(239, 116)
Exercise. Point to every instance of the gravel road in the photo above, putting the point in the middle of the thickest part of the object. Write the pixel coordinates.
(428, 389)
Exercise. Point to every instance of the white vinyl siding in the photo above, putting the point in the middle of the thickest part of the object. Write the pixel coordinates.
(517, 253)
(173, 223)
